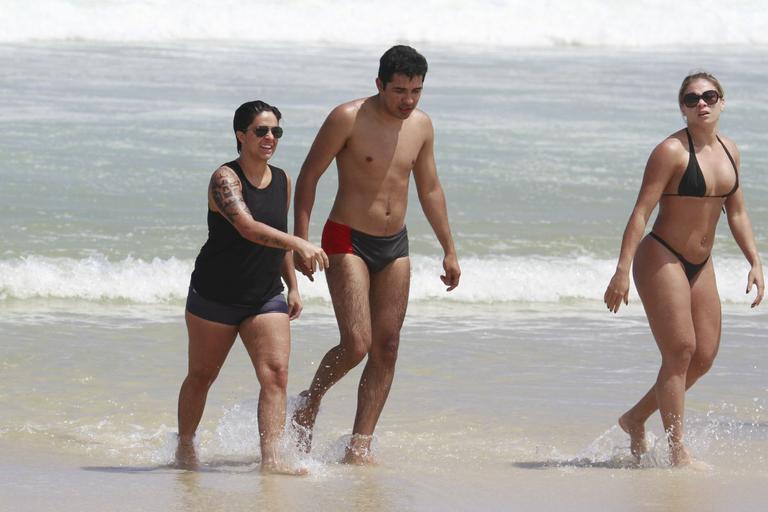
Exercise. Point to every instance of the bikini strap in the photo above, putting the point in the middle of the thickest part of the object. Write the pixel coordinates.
(691, 149)
(728, 153)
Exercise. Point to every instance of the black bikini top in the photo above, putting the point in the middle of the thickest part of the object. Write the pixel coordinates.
(692, 183)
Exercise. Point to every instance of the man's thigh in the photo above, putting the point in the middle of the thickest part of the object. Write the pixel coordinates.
(349, 286)
(389, 298)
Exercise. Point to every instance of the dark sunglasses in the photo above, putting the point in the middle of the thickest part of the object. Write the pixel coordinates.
(690, 100)
(261, 131)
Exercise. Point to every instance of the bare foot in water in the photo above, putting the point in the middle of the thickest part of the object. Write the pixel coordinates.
(699, 465)
(636, 432)
(680, 458)
(304, 418)
(186, 457)
(277, 468)
(359, 451)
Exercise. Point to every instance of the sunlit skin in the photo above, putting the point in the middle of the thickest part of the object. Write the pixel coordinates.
(400, 96)
(267, 336)
(378, 144)
(685, 318)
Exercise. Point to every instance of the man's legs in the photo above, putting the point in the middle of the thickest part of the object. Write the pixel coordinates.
(348, 283)
(388, 303)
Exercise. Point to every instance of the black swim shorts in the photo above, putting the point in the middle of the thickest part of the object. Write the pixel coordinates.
(231, 314)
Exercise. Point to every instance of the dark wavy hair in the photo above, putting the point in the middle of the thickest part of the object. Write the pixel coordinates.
(245, 114)
(401, 59)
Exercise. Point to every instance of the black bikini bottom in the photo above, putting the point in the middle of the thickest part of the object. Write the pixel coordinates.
(691, 269)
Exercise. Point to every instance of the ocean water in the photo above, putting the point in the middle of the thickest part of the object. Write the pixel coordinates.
(108, 148)
(113, 117)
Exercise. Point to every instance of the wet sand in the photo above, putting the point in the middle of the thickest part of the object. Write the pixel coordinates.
(501, 409)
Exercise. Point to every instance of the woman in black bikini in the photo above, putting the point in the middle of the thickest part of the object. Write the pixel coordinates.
(691, 175)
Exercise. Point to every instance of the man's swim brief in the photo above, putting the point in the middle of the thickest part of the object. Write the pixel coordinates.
(376, 251)
(231, 314)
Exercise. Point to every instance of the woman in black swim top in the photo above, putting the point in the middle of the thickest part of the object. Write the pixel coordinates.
(236, 286)
(691, 175)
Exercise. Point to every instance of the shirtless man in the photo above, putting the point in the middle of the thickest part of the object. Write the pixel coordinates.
(377, 143)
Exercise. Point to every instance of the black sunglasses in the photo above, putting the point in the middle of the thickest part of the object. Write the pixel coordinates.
(261, 131)
(690, 100)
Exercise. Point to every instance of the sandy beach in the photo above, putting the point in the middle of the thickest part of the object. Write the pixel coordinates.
(514, 411)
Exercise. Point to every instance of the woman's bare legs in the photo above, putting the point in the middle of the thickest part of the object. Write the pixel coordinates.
(267, 339)
(209, 344)
(685, 320)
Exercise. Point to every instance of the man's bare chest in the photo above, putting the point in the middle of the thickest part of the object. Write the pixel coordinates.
(382, 155)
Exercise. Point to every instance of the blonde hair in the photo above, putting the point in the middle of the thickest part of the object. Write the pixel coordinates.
(699, 75)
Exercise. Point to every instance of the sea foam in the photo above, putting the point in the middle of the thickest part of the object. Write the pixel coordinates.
(487, 280)
(495, 23)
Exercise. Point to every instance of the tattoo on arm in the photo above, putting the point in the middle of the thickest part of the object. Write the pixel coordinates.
(271, 241)
(227, 193)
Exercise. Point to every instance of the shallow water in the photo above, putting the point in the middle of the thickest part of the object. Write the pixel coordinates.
(488, 406)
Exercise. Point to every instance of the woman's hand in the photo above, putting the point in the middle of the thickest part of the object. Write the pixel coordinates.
(756, 278)
(618, 290)
(308, 258)
(294, 304)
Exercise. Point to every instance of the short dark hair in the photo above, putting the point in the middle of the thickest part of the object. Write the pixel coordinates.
(247, 111)
(401, 59)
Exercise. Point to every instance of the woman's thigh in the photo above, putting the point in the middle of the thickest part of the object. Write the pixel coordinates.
(209, 344)
(707, 317)
(666, 295)
(267, 338)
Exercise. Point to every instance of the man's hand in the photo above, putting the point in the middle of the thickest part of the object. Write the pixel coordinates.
(452, 272)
